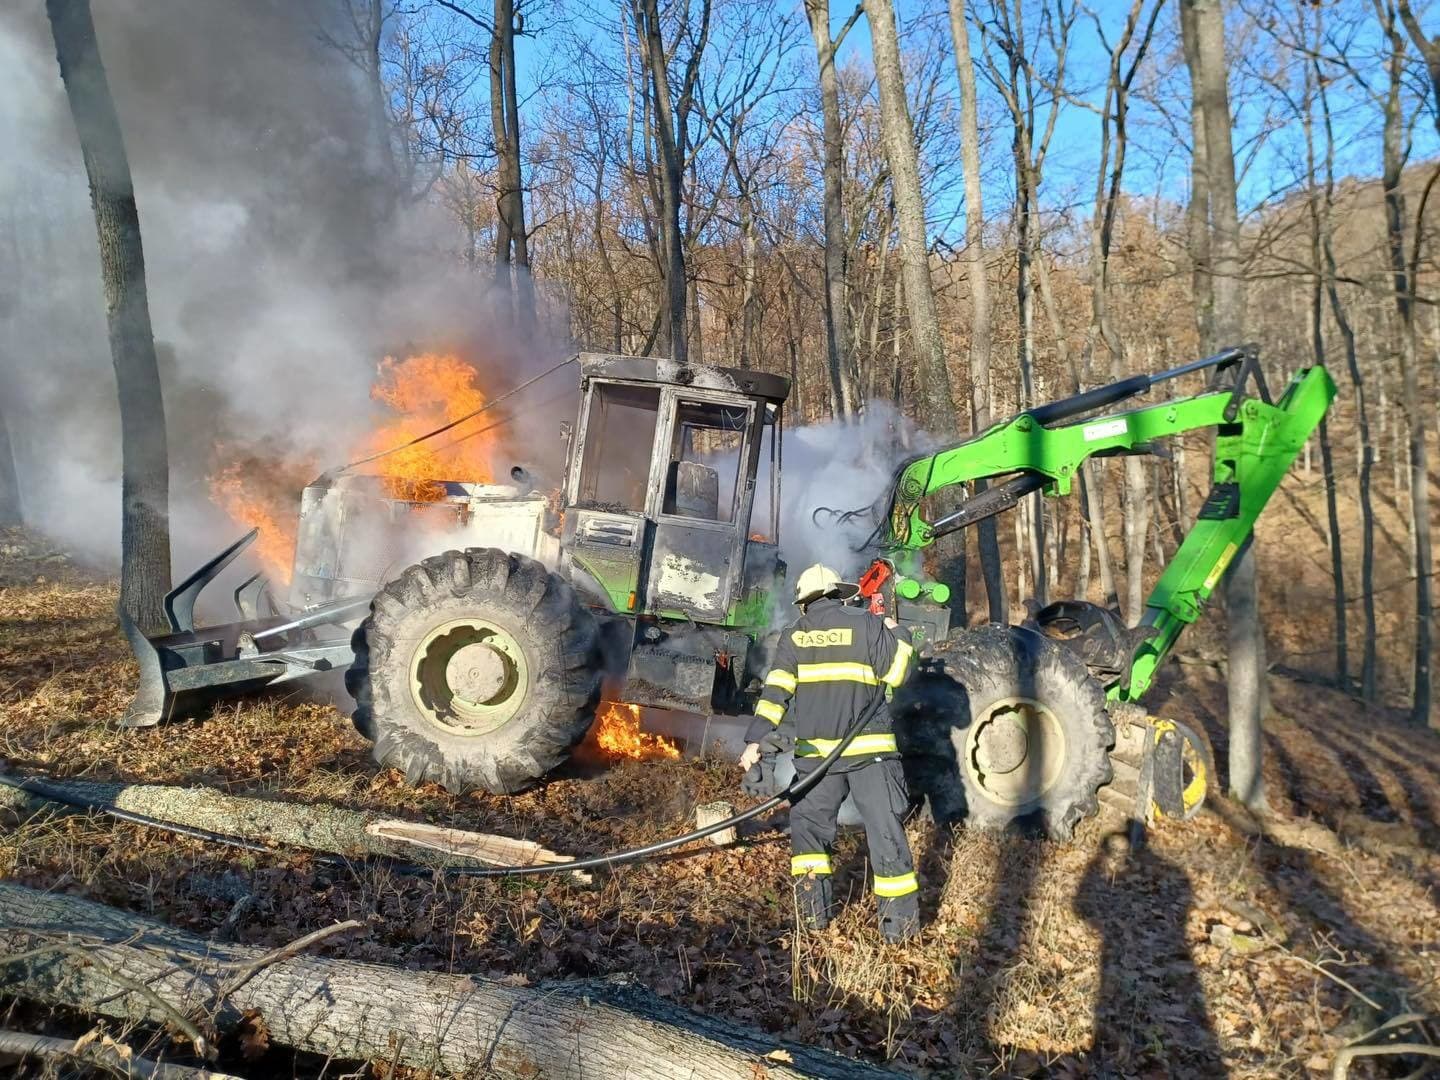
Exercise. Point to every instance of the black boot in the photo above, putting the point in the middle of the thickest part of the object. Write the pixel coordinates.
(899, 918)
(812, 900)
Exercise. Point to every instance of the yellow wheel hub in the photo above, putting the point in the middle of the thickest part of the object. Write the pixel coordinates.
(468, 676)
(1015, 751)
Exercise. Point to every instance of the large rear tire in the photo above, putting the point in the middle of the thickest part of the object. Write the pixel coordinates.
(475, 669)
(1003, 726)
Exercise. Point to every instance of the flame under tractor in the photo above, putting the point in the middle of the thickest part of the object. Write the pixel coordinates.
(656, 576)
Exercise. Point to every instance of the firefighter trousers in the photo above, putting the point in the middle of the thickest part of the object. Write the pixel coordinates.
(879, 790)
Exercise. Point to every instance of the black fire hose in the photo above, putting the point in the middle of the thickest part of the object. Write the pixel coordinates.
(796, 788)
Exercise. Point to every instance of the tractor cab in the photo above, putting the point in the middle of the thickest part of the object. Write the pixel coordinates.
(660, 514)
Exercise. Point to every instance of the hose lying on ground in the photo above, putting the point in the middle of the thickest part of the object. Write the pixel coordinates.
(37, 785)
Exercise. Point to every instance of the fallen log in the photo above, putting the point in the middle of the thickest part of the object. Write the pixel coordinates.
(110, 1057)
(313, 826)
(361, 1012)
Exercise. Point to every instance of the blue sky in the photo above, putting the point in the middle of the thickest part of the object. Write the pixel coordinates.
(1267, 144)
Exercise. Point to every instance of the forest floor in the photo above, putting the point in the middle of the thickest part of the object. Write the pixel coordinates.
(1208, 951)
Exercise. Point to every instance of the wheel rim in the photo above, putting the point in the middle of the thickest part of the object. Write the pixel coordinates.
(468, 676)
(1015, 751)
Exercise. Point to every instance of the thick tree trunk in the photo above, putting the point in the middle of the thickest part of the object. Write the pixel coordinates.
(843, 398)
(359, 1012)
(977, 274)
(937, 403)
(1203, 24)
(145, 483)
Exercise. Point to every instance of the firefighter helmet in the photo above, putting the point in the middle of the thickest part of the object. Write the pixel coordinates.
(821, 580)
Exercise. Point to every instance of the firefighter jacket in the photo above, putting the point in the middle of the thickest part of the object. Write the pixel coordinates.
(831, 665)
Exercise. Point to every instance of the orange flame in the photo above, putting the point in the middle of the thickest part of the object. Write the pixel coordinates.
(423, 392)
(427, 391)
(253, 495)
(616, 732)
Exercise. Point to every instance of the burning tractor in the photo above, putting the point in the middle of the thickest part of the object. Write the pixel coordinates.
(482, 667)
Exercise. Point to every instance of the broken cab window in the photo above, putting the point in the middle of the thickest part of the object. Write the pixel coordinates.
(615, 468)
(705, 460)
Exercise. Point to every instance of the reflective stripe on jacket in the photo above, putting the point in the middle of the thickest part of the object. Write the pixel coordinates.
(830, 665)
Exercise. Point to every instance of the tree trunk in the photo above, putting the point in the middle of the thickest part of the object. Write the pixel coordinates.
(937, 403)
(832, 161)
(1092, 475)
(359, 1012)
(10, 511)
(1395, 151)
(145, 484)
(749, 255)
(1369, 666)
(671, 177)
(1197, 215)
(512, 245)
(1205, 52)
(314, 826)
(977, 274)
(1317, 341)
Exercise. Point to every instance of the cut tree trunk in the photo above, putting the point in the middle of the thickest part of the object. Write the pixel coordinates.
(359, 1012)
(315, 827)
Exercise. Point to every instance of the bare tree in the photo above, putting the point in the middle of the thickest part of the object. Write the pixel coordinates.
(1403, 270)
(1021, 86)
(1203, 27)
(1429, 50)
(936, 401)
(1124, 65)
(843, 394)
(978, 277)
(145, 471)
(670, 121)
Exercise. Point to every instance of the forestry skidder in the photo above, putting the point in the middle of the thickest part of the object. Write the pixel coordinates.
(482, 666)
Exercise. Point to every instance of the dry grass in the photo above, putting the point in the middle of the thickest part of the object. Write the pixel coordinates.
(1077, 959)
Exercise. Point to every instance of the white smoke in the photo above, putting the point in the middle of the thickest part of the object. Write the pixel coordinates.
(837, 465)
(282, 261)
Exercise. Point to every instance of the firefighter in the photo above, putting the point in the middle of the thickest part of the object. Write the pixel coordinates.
(832, 665)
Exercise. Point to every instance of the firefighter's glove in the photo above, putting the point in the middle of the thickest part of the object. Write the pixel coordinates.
(759, 781)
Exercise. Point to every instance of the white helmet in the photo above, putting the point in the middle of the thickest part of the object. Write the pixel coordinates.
(821, 580)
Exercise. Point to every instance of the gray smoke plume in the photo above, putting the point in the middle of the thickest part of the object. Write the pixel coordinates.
(284, 254)
(838, 465)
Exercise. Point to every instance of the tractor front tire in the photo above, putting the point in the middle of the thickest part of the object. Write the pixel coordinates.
(475, 669)
(1006, 727)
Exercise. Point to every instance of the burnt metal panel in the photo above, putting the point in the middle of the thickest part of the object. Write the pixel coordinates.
(692, 570)
(761, 384)
(603, 554)
(689, 668)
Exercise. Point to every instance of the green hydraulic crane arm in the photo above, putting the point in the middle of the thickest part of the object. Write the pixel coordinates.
(1255, 443)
